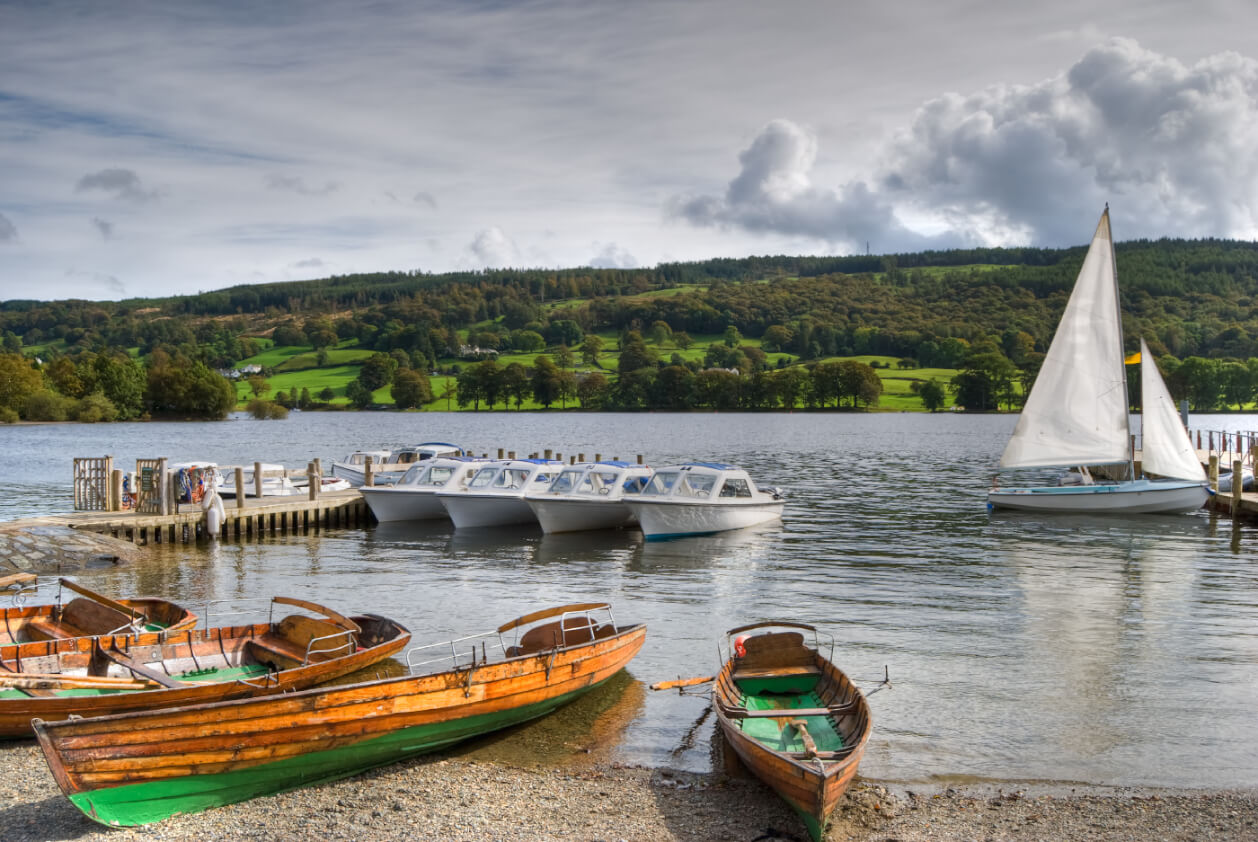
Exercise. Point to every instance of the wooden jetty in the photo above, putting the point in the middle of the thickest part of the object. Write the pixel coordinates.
(243, 518)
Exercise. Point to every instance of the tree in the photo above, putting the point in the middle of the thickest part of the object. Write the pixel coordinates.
(932, 395)
(545, 381)
(682, 339)
(377, 370)
(258, 385)
(564, 357)
(515, 384)
(358, 393)
(179, 386)
(732, 338)
(859, 383)
(18, 381)
(661, 332)
(986, 381)
(634, 354)
(304, 400)
(592, 390)
(776, 338)
(326, 394)
(411, 389)
(591, 347)
(674, 388)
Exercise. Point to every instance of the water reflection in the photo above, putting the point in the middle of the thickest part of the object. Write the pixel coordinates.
(1019, 645)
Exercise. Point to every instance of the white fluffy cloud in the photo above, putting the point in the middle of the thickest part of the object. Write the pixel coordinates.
(1168, 145)
(492, 249)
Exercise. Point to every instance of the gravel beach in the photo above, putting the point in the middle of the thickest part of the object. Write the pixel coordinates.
(457, 796)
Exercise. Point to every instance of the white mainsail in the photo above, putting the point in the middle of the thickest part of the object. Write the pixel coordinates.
(1076, 413)
(1167, 450)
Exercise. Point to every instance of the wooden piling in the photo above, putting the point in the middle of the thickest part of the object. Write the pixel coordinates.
(1213, 472)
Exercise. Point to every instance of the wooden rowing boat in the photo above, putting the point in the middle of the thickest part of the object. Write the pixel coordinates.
(792, 717)
(140, 768)
(95, 676)
(91, 614)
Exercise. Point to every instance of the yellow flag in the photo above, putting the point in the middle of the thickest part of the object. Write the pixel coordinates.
(1133, 359)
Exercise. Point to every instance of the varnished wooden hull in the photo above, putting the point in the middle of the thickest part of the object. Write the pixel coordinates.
(812, 787)
(141, 768)
(189, 649)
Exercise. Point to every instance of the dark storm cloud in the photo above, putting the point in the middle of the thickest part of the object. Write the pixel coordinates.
(119, 183)
(293, 184)
(8, 233)
(105, 227)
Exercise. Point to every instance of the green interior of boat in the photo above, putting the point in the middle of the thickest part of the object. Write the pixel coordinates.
(786, 692)
(209, 674)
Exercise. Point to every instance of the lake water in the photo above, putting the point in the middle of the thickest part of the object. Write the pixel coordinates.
(1020, 647)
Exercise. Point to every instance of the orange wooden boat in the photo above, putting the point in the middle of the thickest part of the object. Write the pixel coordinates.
(95, 676)
(91, 614)
(791, 716)
(140, 768)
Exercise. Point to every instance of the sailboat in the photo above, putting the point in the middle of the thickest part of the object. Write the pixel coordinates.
(1076, 414)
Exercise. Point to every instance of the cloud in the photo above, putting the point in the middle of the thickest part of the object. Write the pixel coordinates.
(8, 233)
(105, 227)
(1167, 145)
(120, 183)
(99, 281)
(492, 249)
(612, 256)
(294, 184)
(774, 193)
(310, 263)
(424, 198)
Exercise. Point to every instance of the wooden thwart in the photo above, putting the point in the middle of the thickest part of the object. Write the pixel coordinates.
(683, 682)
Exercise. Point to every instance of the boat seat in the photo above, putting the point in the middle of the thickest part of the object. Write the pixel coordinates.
(837, 754)
(545, 637)
(774, 672)
(135, 667)
(773, 713)
(40, 628)
(268, 649)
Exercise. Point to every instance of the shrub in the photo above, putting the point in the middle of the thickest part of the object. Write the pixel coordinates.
(48, 406)
(265, 410)
(7, 415)
(95, 407)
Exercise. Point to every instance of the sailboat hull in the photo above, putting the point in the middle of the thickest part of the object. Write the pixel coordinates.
(1132, 497)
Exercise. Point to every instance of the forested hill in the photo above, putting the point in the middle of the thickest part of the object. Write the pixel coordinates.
(1187, 297)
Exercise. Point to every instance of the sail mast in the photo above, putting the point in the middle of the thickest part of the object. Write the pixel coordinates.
(1118, 315)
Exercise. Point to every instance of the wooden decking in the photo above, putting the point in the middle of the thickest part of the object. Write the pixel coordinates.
(255, 518)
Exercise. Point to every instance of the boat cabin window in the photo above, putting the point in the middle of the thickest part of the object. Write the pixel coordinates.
(599, 482)
(484, 478)
(438, 475)
(735, 488)
(511, 478)
(661, 483)
(542, 478)
(696, 485)
(411, 477)
(566, 482)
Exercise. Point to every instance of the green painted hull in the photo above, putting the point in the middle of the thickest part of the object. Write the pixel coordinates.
(148, 802)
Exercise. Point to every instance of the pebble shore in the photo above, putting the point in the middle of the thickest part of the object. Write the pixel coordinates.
(458, 797)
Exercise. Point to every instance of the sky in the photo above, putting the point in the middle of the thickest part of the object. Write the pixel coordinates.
(161, 148)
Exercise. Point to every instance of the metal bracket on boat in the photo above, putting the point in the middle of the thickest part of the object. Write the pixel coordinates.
(471, 669)
(550, 662)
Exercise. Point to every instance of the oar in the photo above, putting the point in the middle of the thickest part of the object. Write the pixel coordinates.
(683, 682)
(104, 600)
(70, 683)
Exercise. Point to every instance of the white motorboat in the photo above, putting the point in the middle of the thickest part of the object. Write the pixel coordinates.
(275, 483)
(588, 495)
(494, 496)
(352, 467)
(701, 498)
(388, 466)
(1077, 413)
(414, 496)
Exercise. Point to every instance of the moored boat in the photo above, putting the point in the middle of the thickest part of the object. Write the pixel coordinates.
(791, 716)
(140, 768)
(587, 496)
(93, 676)
(414, 496)
(494, 496)
(700, 498)
(390, 467)
(90, 614)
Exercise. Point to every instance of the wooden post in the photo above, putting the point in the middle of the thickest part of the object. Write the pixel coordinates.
(1238, 486)
(1213, 472)
(639, 458)
(257, 480)
(115, 490)
(500, 449)
(598, 457)
(319, 466)
(510, 454)
(369, 476)
(240, 487)
(163, 486)
(312, 480)
(580, 457)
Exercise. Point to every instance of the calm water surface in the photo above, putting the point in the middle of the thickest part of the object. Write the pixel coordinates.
(1029, 647)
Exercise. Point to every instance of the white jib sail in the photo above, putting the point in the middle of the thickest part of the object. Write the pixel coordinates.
(1076, 413)
(1166, 449)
